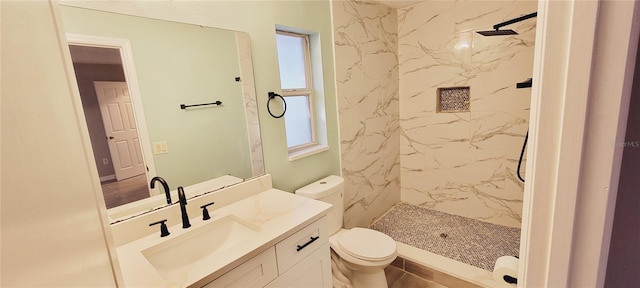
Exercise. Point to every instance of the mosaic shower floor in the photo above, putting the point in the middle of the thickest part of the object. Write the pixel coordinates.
(459, 238)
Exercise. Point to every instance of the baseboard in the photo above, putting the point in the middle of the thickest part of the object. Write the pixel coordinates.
(108, 178)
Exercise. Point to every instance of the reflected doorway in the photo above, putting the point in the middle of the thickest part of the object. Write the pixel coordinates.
(111, 124)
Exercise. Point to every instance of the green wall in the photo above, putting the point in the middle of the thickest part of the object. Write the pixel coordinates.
(204, 142)
(259, 19)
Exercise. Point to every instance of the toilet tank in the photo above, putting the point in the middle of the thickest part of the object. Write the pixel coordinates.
(329, 189)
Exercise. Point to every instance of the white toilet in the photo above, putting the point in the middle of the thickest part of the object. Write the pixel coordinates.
(362, 254)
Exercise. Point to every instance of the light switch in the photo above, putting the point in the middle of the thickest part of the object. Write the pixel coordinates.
(160, 147)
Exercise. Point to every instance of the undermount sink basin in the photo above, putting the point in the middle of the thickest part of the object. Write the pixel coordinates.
(174, 258)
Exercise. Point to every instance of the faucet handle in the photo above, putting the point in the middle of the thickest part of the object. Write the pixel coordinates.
(164, 231)
(205, 212)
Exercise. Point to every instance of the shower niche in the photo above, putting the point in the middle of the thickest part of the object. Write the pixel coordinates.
(452, 100)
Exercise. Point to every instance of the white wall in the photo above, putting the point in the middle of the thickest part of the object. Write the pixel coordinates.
(585, 57)
(616, 38)
(624, 255)
(52, 233)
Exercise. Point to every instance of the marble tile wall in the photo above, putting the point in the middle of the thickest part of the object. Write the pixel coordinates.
(368, 103)
(464, 163)
(250, 102)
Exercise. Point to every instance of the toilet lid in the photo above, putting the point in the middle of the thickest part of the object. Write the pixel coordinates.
(367, 244)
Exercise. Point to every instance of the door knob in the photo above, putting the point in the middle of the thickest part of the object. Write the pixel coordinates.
(110, 137)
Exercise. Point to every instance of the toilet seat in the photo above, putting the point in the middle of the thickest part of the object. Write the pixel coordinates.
(366, 244)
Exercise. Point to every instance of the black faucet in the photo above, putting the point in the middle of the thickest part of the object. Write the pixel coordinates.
(167, 193)
(183, 208)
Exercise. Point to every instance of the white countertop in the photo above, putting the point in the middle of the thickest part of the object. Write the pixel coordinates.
(277, 214)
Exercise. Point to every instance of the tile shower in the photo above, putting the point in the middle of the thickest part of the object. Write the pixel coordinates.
(464, 163)
(396, 143)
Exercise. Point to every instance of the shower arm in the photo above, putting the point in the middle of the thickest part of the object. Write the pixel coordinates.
(516, 20)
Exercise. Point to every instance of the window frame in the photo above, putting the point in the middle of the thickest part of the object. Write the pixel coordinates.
(308, 91)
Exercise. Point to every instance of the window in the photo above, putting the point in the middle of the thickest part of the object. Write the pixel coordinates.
(296, 83)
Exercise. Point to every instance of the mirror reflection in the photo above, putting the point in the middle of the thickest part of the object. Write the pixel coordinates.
(133, 110)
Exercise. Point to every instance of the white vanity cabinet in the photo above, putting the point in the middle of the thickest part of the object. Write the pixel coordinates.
(313, 271)
(300, 260)
(304, 259)
(255, 272)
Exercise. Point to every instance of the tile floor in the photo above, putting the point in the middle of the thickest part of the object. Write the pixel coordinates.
(397, 278)
(403, 273)
(459, 238)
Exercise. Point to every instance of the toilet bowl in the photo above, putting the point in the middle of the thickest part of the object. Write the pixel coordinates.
(365, 253)
(359, 254)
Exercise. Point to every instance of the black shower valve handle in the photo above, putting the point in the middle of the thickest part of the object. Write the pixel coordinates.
(205, 212)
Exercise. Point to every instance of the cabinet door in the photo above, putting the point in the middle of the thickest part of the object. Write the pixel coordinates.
(255, 272)
(312, 271)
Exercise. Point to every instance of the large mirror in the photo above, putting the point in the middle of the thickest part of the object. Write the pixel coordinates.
(163, 99)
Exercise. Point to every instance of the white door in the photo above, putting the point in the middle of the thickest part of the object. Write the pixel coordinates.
(120, 127)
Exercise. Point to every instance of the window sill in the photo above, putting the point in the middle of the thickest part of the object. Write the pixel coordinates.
(307, 152)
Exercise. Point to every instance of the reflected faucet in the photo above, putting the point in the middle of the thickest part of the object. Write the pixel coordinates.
(167, 193)
(183, 208)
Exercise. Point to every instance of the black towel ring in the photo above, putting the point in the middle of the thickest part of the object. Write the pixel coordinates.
(274, 95)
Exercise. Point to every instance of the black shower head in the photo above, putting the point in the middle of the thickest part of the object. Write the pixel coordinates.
(497, 32)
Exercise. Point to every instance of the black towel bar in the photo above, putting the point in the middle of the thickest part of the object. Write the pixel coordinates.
(183, 106)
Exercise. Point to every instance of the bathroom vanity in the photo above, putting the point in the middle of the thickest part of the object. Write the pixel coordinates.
(267, 238)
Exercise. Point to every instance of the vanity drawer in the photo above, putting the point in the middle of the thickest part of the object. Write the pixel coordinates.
(255, 272)
(301, 244)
